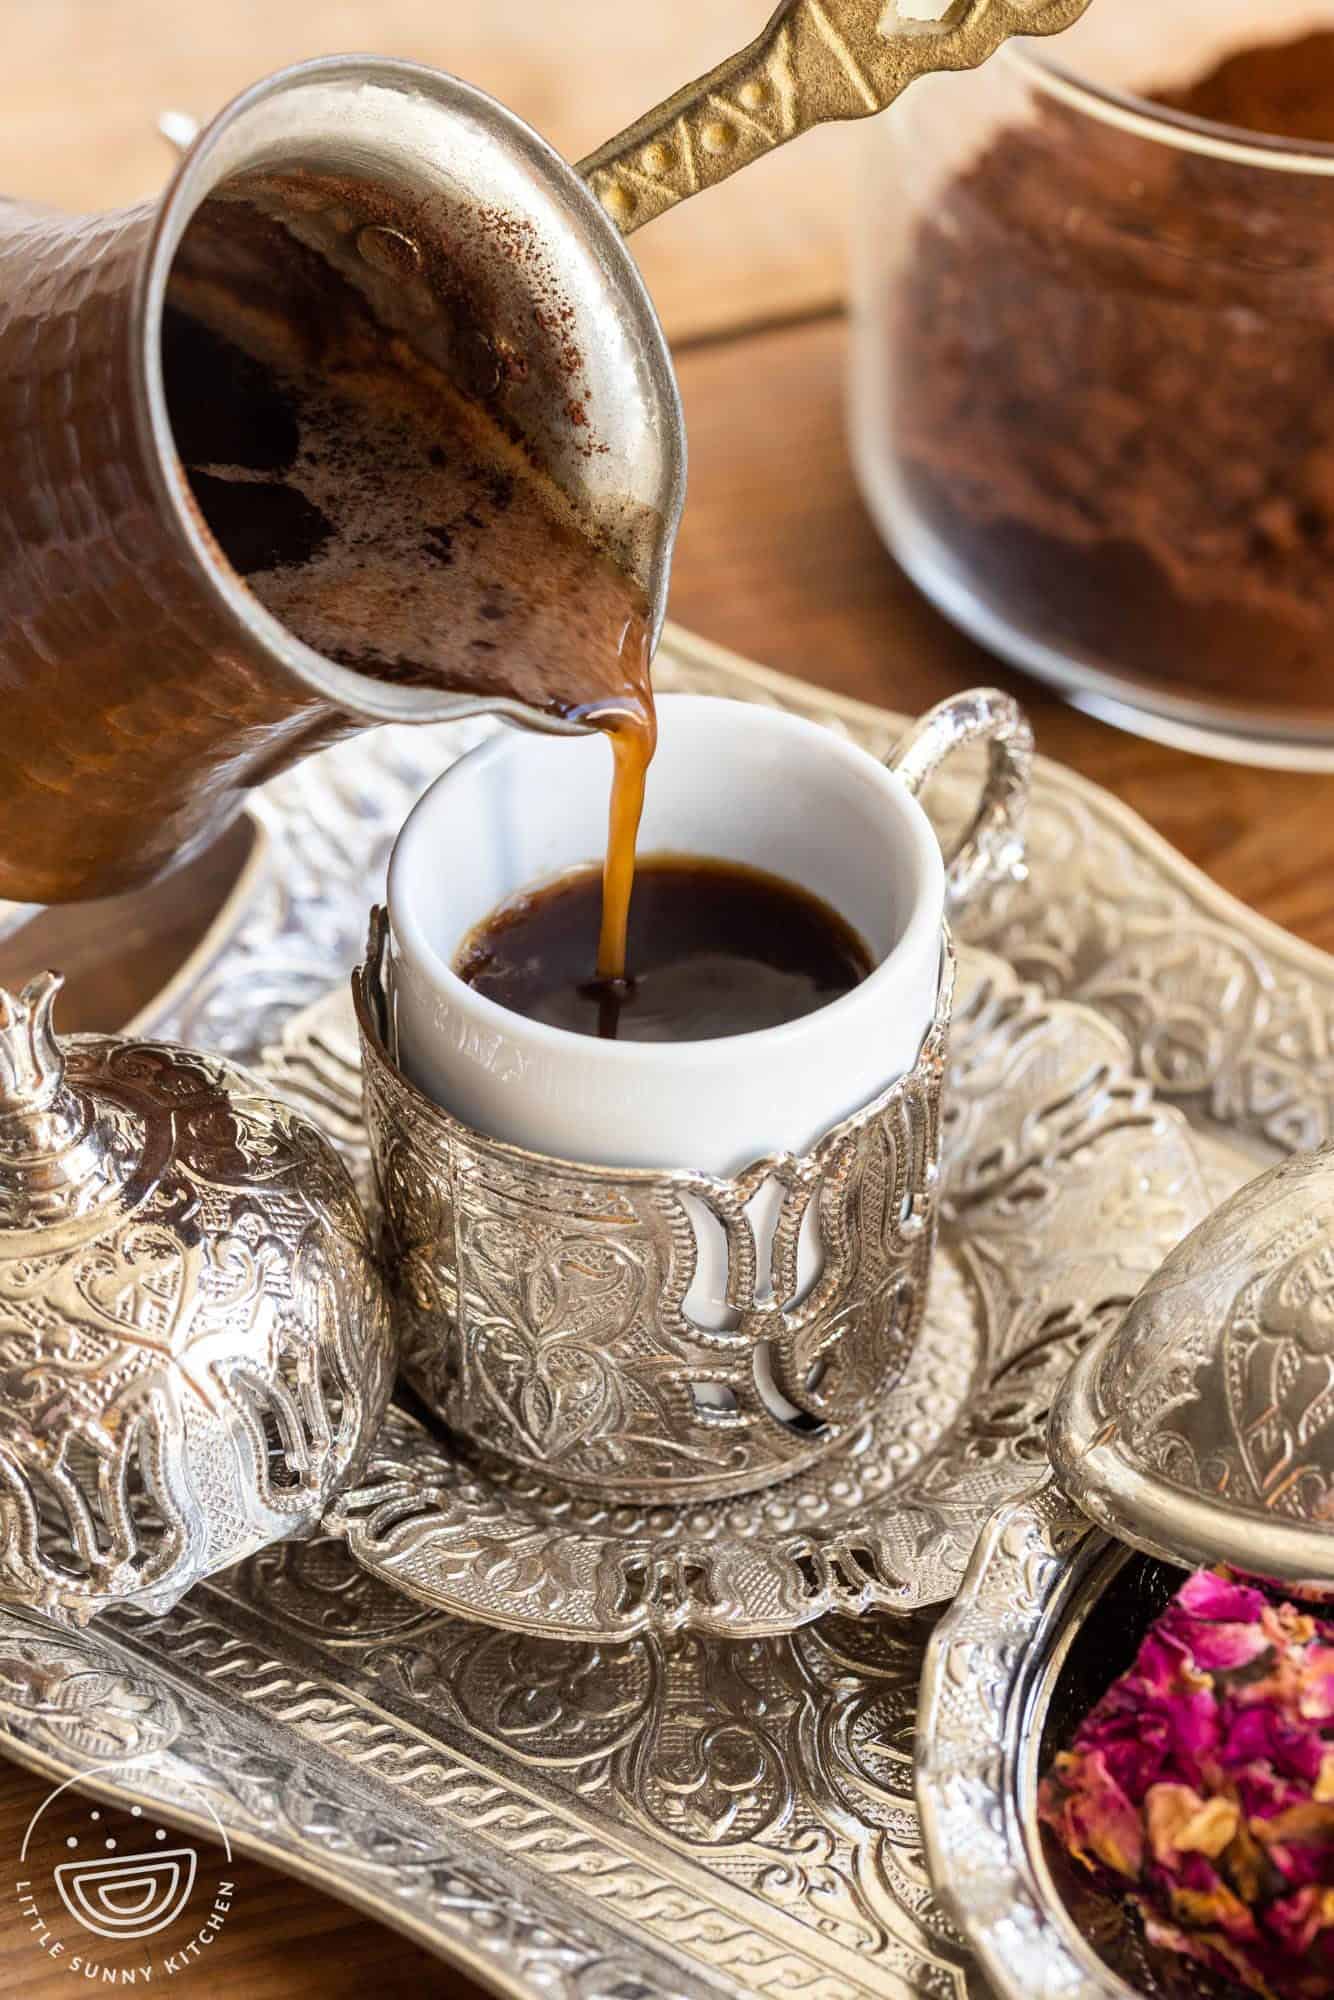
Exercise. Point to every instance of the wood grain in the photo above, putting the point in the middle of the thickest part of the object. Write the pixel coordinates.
(85, 81)
(280, 1940)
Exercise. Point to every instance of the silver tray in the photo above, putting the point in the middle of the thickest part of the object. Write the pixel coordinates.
(674, 1816)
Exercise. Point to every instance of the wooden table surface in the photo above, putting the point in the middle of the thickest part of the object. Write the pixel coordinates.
(777, 558)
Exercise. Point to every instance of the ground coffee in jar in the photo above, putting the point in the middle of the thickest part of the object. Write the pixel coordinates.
(1113, 387)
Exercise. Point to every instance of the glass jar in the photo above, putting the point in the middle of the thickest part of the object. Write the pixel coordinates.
(1093, 393)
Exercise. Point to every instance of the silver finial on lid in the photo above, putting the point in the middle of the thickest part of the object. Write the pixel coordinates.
(32, 1068)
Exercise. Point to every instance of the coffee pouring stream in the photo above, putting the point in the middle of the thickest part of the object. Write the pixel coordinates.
(145, 687)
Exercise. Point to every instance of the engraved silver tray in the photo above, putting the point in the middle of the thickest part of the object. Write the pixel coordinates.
(674, 1816)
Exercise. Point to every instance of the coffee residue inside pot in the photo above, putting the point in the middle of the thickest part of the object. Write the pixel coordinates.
(383, 515)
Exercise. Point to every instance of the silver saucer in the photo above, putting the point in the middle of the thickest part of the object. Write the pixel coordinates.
(1064, 1186)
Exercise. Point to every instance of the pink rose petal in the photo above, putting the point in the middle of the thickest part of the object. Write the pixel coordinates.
(1202, 1785)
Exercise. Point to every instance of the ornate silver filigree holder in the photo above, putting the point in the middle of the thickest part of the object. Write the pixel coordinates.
(194, 1340)
(1200, 1429)
(543, 1309)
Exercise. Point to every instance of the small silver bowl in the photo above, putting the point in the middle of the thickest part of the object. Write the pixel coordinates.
(1200, 1430)
(993, 1677)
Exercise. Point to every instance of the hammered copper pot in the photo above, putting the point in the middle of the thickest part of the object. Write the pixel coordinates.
(137, 705)
(143, 689)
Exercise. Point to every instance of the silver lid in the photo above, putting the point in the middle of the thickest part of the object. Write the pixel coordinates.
(195, 1344)
(1201, 1428)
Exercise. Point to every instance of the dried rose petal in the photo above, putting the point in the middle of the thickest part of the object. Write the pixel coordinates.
(1202, 1786)
(1220, 1595)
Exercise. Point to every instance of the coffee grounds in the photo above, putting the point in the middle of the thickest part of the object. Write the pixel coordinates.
(1282, 89)
(1113, 375)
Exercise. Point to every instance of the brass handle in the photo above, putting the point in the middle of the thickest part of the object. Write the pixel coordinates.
(817, 61)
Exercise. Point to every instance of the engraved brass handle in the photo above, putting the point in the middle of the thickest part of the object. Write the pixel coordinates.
(818, 61)
(992, 846)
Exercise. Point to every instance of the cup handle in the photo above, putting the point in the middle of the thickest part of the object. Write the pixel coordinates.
(993, 845)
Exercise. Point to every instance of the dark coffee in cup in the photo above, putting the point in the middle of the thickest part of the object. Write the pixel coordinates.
(714, 949)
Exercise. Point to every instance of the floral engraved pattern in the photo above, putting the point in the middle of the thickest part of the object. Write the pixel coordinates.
(1062, 1185)
(1220, 1384)
(282, 1792)
(191, 1373)
(543, 1308)
(76, 1707)
(743, 1813)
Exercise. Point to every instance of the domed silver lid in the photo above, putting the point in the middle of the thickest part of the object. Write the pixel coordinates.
(1202, 1427)
(195, 1341)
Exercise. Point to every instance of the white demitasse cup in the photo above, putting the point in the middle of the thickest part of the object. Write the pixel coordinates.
(731, 781)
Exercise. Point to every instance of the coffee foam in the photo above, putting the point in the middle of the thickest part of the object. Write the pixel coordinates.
(431, 549)
(385, 517)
